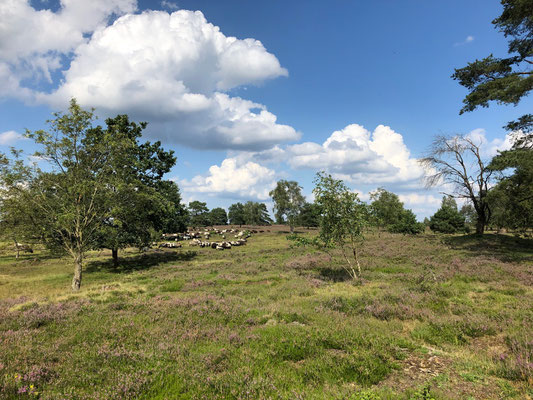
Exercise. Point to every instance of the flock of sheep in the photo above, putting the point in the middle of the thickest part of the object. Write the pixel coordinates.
(195, 238)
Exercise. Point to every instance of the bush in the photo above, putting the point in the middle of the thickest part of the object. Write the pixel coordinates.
(407, 224)
(447, 219)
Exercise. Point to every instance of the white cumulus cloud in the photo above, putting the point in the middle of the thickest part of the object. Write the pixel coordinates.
(32, 41)
(359, 156)
(10, 137)
(233, 179)
(489, 148)
(172, 70)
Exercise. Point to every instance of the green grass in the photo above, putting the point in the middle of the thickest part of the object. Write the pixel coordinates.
(434, 317)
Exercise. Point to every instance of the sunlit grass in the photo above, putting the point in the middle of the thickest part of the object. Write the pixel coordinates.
(431, 315)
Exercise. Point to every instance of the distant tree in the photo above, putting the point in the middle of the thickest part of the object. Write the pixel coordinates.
(457, 161)
(288, 202)
(512, 199)
(447, 219)
(218, 216)
(256, 214)
(406, 224)
(387, 211)
(16, 215)
(174, 216)
(236, 214)
(199, 213)
(469, 214)
(309, 215)
(386, 208)
(505, 80)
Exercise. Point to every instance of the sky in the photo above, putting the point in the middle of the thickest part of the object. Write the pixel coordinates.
(247, 93)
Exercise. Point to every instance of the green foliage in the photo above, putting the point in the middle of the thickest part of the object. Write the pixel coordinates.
(141, 203)
(447, 219)
(504, 80)
(343, 220)
(199, 213)
(512, 198)
(366, 395)
(407, 224)
(386, 208)
(386, 211)
(236, 214)
(309, 215)
(288, 202)
(469, 214)
(255, 213)
(218, 216)
(101, 188)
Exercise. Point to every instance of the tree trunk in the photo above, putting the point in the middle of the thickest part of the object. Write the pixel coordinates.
(78, 265)
(114, 254)
(17, 248)
(291, 228)
(480, 225)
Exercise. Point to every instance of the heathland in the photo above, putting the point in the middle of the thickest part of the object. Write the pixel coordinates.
(432, 317)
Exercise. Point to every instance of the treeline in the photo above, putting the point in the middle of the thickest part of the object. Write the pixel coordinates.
(249, 213)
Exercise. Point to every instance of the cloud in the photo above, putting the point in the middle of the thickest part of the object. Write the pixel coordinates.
(468, 39)
(10, 137)
(172, 70)
(169, 5)
(489, 148)
(234, 180)
(359, 156)
(417, 199)
(32, 43)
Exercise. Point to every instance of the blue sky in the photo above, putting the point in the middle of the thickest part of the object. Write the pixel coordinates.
(247, 93)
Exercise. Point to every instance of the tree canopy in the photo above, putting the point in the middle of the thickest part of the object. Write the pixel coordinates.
(447, 219)
(100, 187)
(199, 213)
(505, 80)
(288, 202)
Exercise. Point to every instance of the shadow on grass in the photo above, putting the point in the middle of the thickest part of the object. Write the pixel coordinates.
(140, 262)
(504, 247)
(334, 274)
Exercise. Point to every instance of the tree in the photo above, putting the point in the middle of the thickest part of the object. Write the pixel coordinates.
(469, 214)
(218, 216)
(309, 215)
(236, 214)
(139, 206)
(71, 197)
(256, 213)
(505, 80)
(15, 215)
(387, 211)
(447, 219)
(385, 208)
(512, 197)
(457, 161)
(100, 187)
(342, 222)
(288, 202)
(199, 213)
(406, 224)
(174, 216)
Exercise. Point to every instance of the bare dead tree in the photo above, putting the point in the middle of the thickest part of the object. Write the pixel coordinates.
(457, 160)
